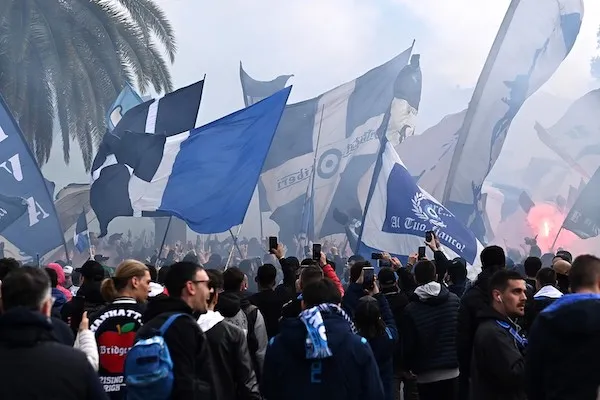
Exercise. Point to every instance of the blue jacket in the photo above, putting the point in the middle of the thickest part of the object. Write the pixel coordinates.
(350, 374)
(561, 357)
(384, 347)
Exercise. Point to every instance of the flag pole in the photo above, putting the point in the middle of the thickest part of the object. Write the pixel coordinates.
(376, 170)
(162, 245)
(231, 251)
(235, 240)
(88, 235)
(556, 238)
(311, 188)
(483, 77)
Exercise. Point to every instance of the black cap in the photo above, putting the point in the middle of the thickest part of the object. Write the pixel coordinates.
(100, 258)
(565, 255)
(91, 270)
(386, 276)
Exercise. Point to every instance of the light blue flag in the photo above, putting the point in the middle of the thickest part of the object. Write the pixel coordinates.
(81, 238)
(127, 99)
(205, 176)
(400, 212)
(533, 40)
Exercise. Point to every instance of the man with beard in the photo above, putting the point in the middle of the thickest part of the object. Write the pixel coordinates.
(498, 363)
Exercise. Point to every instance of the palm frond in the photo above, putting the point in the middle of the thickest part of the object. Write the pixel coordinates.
(147, 14)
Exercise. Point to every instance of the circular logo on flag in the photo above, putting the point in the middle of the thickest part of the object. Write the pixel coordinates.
(429, 211)
(329, 163)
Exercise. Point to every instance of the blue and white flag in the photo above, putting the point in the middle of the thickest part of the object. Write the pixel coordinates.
(533, 40)
(81, 238)
(338, 129)
(205, 176)
(11, 209)
(583, 218)
(172, 114)
(127, 99)
(39, 232)
(400, 212)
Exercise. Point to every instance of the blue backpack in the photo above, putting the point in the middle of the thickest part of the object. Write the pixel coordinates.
(149, 368)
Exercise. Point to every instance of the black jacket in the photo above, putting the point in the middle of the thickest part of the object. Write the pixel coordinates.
(189, 349)
(564, 342)
(475, 300)
(231, 358)
(353, 294)
(546, 296)
(33, 365)
(350, 374)
(269, 302)
(398, 302)
(291, 309)
(498, 364)
(429, 331)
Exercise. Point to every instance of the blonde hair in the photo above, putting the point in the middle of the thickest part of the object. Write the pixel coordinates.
(128, 269)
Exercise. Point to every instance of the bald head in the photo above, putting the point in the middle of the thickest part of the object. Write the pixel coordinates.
(585, 274)
(561, 267)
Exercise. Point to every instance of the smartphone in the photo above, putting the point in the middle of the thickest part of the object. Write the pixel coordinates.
(376, 256)
(273, 242)
(428, 236)
(368, 277)
(306, 251)
(316, 252)
(421, 252)
(78, 307)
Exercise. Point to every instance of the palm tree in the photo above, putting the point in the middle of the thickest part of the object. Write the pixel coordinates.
(65, 61)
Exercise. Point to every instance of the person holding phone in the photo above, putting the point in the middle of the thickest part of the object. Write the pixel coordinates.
(86, 342)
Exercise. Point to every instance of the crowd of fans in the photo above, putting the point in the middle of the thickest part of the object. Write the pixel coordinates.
(320, 328)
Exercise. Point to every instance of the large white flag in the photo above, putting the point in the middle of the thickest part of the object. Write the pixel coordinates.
(533, 40)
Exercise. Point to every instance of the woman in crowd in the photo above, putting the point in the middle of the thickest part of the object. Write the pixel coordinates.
(116, 324)
(375, 322)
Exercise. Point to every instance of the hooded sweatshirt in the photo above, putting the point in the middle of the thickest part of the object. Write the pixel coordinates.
(429, 333)
(350, 373)
(61, 280)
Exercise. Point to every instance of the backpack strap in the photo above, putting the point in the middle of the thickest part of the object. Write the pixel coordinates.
(168, 322)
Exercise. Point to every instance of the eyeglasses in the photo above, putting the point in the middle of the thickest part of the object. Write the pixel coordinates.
(202, 281)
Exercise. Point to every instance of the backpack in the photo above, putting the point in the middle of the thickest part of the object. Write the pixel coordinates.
(149, 368)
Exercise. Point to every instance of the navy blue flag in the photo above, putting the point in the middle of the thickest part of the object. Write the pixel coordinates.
(584, 217)
(38, 232)
(11, 209)
(172, 114)
(205, 176)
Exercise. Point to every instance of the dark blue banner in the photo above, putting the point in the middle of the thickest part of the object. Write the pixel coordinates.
(38, 230)
(410, 211)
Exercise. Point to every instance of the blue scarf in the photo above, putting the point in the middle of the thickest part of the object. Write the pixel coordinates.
(519, 340)
(316, 336)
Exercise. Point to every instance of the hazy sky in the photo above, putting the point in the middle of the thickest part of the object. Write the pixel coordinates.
(325, 43)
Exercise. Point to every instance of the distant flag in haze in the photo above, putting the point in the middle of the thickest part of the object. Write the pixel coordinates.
(127, 99)
(584, 217)
(11, 209)
(172, 114)
(255, 91)
(205, 176)
(533, 40)
(576, 136)
(399, 213)
(344, 122)
(81, 238)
